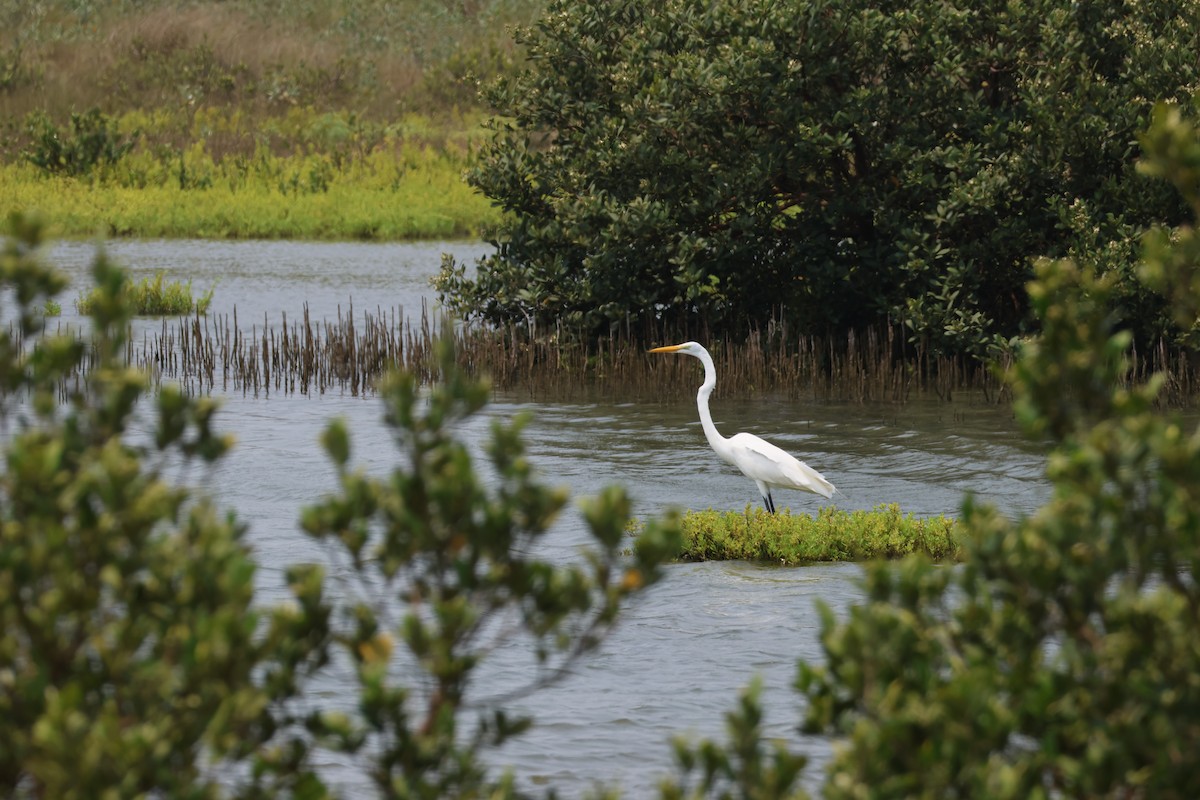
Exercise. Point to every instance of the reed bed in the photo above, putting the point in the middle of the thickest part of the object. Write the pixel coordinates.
(347, 355)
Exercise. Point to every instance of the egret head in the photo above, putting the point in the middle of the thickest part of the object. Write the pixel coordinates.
(689, 348)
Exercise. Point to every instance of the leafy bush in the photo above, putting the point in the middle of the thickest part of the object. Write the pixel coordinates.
(135, 659)
(838, 163)
(89, 141)
(1061, 660)
(452, 553)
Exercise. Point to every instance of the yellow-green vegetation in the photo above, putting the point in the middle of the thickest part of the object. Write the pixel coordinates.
(153, 298)
(832, 535)
(420, 196)
(235, 120)
(341, 180)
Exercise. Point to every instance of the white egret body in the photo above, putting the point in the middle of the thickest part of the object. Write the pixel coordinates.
(760, 461)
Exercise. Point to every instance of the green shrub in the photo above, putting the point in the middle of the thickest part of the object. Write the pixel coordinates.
(136, 660)
(708, 164)
(439, 561)
(1061, 659)
(89, 141)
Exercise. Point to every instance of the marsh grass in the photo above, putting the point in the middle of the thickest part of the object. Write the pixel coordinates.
(832, 535)
(396, 192)
(236, 121)
(156, 297)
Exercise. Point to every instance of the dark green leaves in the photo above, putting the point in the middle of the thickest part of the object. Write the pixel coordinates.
(843, 164)
(88, 142)
(134, 660)
(1059, 660)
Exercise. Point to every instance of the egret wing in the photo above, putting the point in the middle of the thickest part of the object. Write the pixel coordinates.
(762, 461)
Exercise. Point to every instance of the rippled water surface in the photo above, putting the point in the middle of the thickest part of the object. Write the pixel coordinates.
(679, 657)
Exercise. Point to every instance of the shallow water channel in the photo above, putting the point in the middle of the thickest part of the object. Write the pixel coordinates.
(681, 654)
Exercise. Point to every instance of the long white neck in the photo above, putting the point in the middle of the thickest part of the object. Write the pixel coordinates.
(715, 440)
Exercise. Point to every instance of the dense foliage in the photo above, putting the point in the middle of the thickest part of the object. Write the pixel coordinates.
(132, 658)
(1061, 660)
(135, 660)
(88, 142)
(839, 163)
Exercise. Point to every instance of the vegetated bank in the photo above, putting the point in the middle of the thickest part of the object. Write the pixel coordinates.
(342, 179)
(840, 165)
(832, 534)
(229, 119)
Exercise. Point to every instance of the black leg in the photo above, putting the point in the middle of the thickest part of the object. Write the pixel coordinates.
(769, 502)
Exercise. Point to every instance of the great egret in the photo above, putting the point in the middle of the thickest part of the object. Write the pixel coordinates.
(760, 461)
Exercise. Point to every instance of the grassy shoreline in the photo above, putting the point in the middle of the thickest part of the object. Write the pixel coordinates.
(832, 535)
(222, 120)
(414, 196)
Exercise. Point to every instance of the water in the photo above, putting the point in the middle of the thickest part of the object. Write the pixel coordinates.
(267, 278)
(681, 654)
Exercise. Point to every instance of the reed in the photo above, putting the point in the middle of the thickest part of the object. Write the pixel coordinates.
(348, 354)
(831, 535)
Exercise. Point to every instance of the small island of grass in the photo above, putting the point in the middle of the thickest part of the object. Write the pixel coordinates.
(832, 535)
(154, 298)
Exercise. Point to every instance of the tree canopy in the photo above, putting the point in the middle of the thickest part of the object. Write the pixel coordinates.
(835, 163)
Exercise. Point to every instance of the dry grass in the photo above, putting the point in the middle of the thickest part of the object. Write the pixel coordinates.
(233, 35)
(378, 59)
(196, 55)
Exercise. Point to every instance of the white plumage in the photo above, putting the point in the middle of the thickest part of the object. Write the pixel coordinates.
(760, 461)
